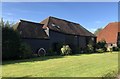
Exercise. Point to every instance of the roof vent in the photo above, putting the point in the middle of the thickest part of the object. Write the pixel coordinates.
(58, 26)
(55, 25)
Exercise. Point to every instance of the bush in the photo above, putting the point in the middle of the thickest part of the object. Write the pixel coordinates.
(101, 46)
(51, 52)
(10, 43)
(25, 51)
(66, 50)
(115, 49)
(100, 50)
(90, 48)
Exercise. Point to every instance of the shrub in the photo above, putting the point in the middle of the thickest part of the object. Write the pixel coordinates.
(100, 50)
(90, 48)
(65, 50)
(101, 46)
(10, 43)
(115, 49)
(25, 50)
(68, 50)
(51, 52)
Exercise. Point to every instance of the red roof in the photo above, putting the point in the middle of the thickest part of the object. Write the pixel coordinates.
(109, 33)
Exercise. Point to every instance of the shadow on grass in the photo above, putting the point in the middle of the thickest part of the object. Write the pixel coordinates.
(39, 58)
(42, 58)
(31, 59)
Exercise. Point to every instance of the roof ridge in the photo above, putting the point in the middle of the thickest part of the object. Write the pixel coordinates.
(63, 20)
(31, 22)
(114, 22)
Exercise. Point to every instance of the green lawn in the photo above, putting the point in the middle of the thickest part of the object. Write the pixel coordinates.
(81, 65)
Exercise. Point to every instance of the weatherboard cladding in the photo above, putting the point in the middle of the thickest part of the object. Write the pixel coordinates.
(31, 30)
(60, 31)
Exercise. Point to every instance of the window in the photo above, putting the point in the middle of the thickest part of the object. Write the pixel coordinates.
(111, 44)
(118, 33)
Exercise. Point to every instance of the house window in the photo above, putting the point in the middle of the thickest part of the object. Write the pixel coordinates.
(118, 33)
(111, 44)
(58, 26)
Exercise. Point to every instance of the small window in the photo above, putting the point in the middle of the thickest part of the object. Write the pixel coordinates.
(111, 44)
(118, 33)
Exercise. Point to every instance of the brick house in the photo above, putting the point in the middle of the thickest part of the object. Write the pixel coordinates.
(111, 34)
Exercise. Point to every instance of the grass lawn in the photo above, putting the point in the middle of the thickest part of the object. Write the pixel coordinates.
(80, 65)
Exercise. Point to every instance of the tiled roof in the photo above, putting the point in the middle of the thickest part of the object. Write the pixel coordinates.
(29, 29)
(65, 26)
(109, 33)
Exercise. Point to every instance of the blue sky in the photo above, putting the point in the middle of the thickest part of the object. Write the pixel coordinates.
(90, 15)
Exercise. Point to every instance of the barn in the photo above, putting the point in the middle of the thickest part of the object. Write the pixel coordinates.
(52, 33)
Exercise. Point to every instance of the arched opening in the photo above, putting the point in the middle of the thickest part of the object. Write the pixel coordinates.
(41, 52)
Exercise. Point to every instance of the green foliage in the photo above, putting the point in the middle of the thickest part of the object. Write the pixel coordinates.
(100, 50)
(51, 52)
(2, 23)
(66, 50)
(101, 45)
(10, 43)
(25, 51)
(12, 47)
(115, 48)
(63, 50)
(90, 47)
(97, 31)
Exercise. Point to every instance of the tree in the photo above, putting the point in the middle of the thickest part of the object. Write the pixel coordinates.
(97, 31)
(2, 23)
(10, 41)
(101, 45)
(12, 45)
